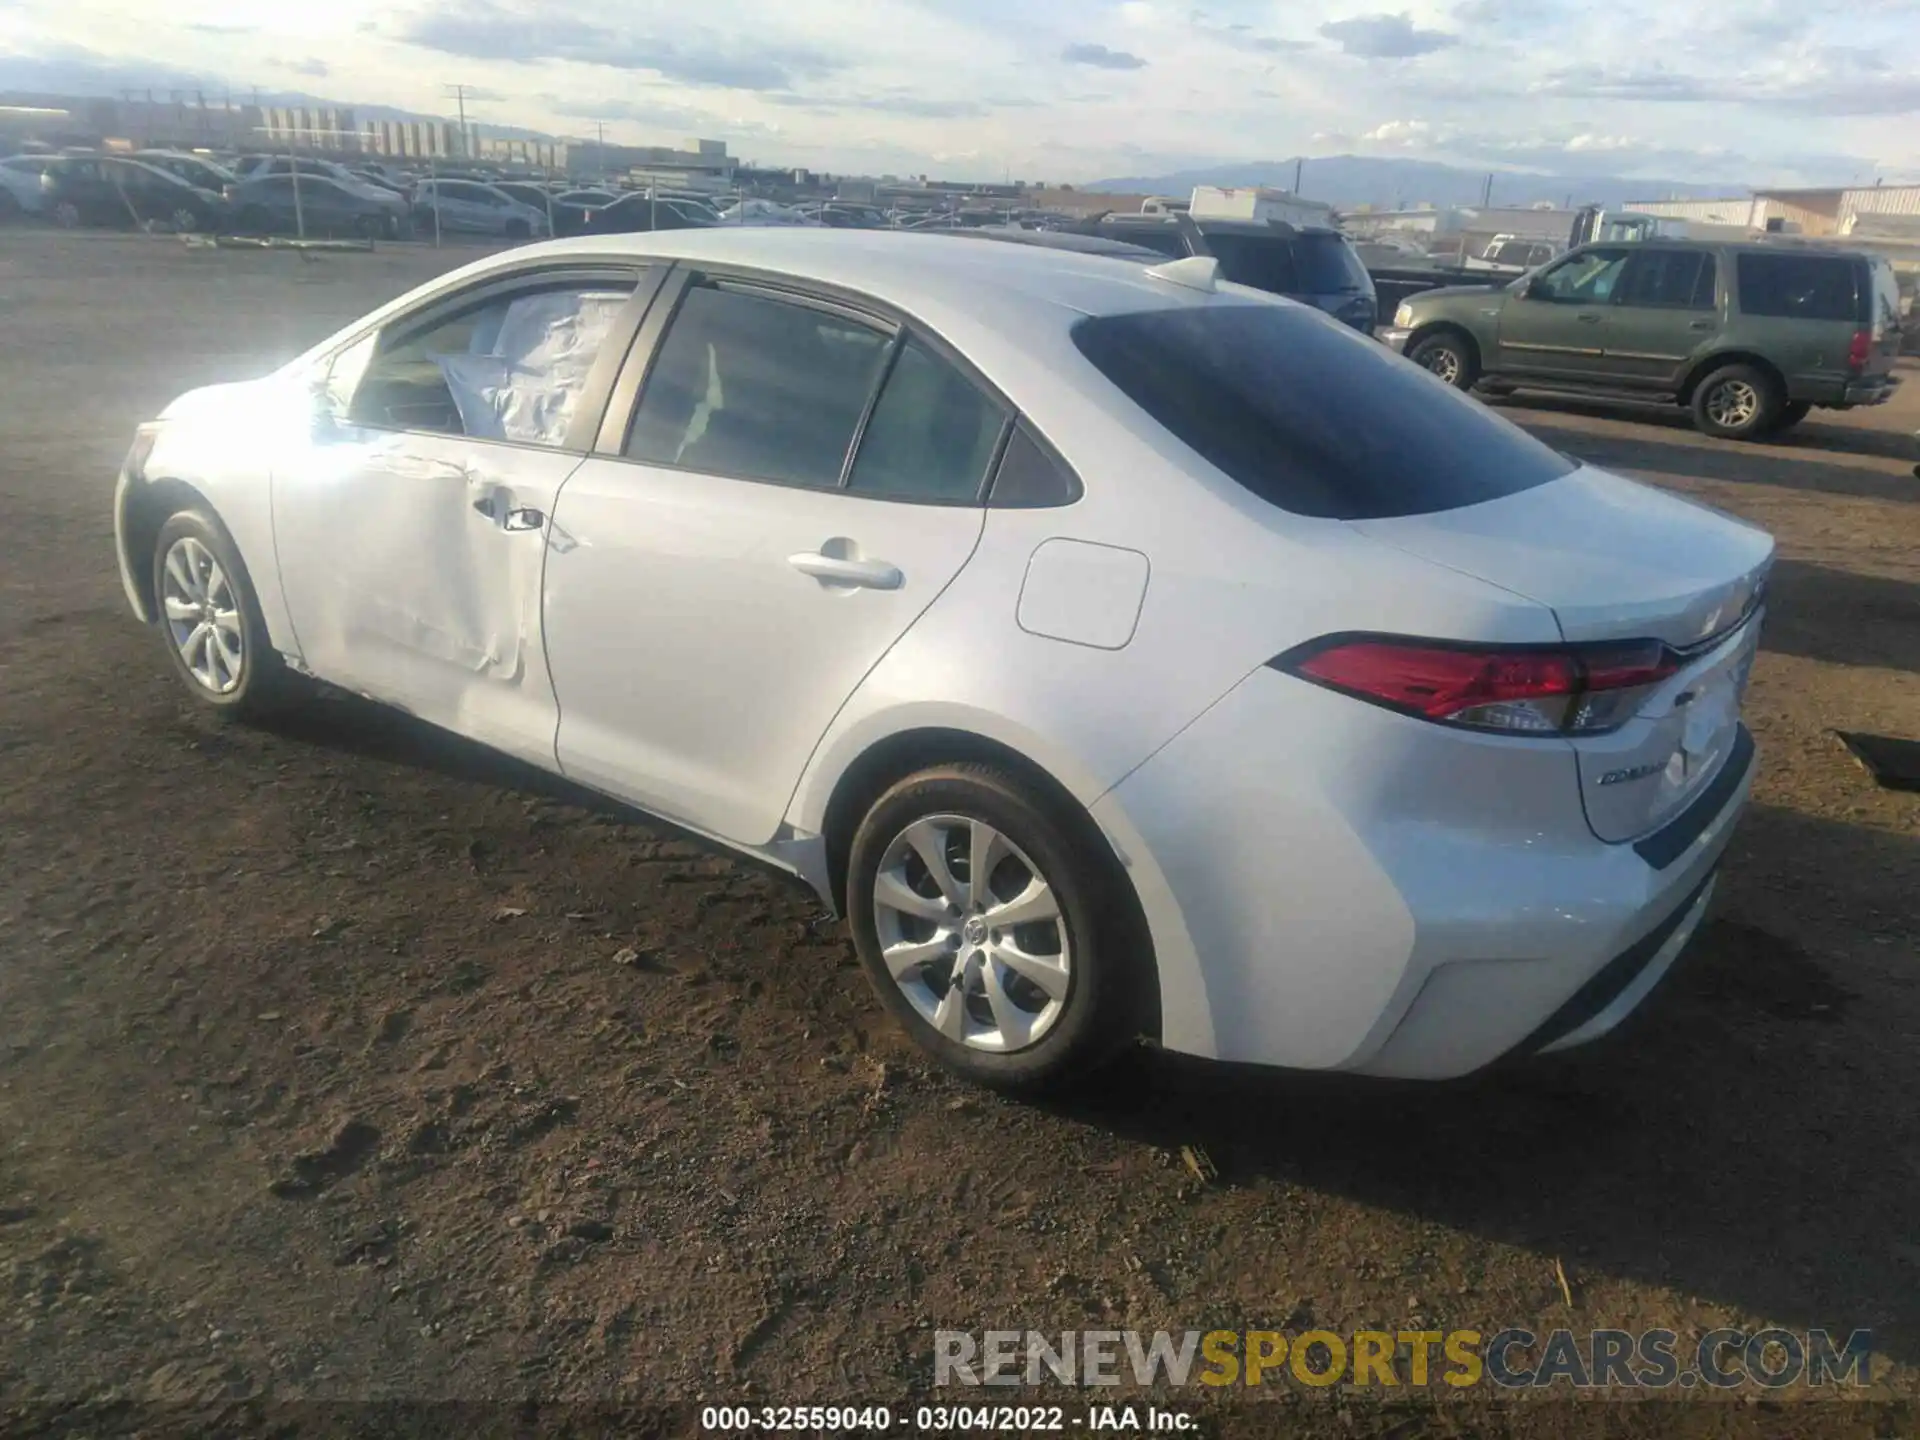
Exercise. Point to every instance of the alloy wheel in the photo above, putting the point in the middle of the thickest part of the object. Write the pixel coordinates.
(972, 933)
(203, 616)
(1443, 363)
(1733, 404)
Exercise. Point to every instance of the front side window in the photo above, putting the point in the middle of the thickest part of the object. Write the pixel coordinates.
(511, 368)
(1312, 417)
(757, 386)
(932, 434)
(1584, 279)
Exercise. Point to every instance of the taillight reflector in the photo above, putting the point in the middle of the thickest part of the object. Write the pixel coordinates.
(1860, 350)
(1577, 688)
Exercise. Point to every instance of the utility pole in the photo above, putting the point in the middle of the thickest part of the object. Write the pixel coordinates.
(459, 93)
(1299, 169)
(1486, 195)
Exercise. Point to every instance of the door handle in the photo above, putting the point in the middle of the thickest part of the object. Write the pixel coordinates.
(513, 517)
(865, 574)
(1588, 319)
(1700, 324)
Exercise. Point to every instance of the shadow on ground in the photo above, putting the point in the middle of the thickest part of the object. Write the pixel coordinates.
(1737, 1140)
(1812, 458)
(1837, 616)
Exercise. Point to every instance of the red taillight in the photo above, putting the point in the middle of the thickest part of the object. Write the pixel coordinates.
(1860, 350)
(1578, 688)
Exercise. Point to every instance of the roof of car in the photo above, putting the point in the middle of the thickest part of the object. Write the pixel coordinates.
(902, 266)
(1216, 225)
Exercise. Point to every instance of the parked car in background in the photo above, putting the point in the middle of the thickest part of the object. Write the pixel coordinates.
(1312, 264)
(260, 167)
(1120, 652)
(113, 191)
(1750, 337)
(526, 192)
(469, 207)
(20, 189)
(638, 212)
(323, 208)
(1512, 255)
(196, 170)
(570, 208)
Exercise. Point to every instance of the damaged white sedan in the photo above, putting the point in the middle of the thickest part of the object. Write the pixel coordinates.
(1121, 651)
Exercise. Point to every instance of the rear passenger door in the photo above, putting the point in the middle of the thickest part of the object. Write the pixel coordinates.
(797, 481)
(1666, 311)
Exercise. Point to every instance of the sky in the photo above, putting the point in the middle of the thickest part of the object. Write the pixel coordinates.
(1758, 91)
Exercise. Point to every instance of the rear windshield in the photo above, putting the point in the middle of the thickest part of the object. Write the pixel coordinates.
(1801, 287)
(1312, 417)
(1328, 264)
(1263, 262)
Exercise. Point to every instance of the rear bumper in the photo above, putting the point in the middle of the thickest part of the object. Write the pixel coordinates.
(1835, 391)
(1331, 886)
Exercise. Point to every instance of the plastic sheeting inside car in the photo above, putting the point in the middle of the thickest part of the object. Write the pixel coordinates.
(527, 364)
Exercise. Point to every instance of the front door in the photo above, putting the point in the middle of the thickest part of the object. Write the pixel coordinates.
(413, 527)
(1554, 324)
(733, 570)
(1665, 310)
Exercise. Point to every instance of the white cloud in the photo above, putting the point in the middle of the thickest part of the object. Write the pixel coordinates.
(1069, 89)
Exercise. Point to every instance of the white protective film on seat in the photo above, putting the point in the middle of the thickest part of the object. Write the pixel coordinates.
(522, 379)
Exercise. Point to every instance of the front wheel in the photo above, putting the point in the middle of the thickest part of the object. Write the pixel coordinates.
(211, 621)
(989, 929)
(1737, 402)
(1448, 357)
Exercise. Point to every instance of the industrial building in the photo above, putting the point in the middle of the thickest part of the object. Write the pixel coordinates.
(1815, 212)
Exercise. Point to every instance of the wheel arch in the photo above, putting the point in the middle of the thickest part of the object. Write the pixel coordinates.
(893, 757)
(1720, 360)
(1432, 328)
(147, 506)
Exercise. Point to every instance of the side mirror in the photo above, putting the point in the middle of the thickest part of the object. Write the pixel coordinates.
(1523, 287)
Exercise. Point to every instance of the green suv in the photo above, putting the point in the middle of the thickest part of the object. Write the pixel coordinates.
(1750, 337)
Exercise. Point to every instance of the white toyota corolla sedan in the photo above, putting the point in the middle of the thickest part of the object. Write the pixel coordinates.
(1121, 651)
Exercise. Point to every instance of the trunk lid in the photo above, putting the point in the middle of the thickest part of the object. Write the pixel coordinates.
(1616, 560)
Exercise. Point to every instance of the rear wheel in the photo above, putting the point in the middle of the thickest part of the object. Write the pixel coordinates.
(185, 220)
(1450, 357)
(210, 619)
(1737, 402)
(989, 930)
(370, 227)
(66, 214)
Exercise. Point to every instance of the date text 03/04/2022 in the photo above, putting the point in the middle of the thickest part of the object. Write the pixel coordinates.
(942, 1419)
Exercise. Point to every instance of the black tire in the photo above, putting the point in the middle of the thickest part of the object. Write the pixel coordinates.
(1737, 402)
(1102, 1001)
(10, 208)
(517, 230)
(1449, 356)
(254, 220)
(65, 214)
(371, 227)
(1791, 414)
(265, 685)
(185, 220)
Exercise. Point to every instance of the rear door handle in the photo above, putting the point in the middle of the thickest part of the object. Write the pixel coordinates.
(1700, 325)
(864, 574)
(511, 517)
(1588, 319)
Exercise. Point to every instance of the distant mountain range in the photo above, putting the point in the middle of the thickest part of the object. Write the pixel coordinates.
(1345, 181)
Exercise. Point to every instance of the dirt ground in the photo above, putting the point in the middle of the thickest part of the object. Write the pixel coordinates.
(324, 1076)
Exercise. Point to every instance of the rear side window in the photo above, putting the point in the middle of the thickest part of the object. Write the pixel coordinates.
(1031, 476)
(755, 386)
(1261, 261)
(1669, 280)
(1800, 287)
(932, 434)
(1310, 416)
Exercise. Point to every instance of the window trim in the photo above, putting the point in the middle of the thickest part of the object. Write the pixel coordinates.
(629, 389)
(1573, 257)
(646, 277)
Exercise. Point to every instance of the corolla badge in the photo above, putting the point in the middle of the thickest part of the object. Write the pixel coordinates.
(1636, 772)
